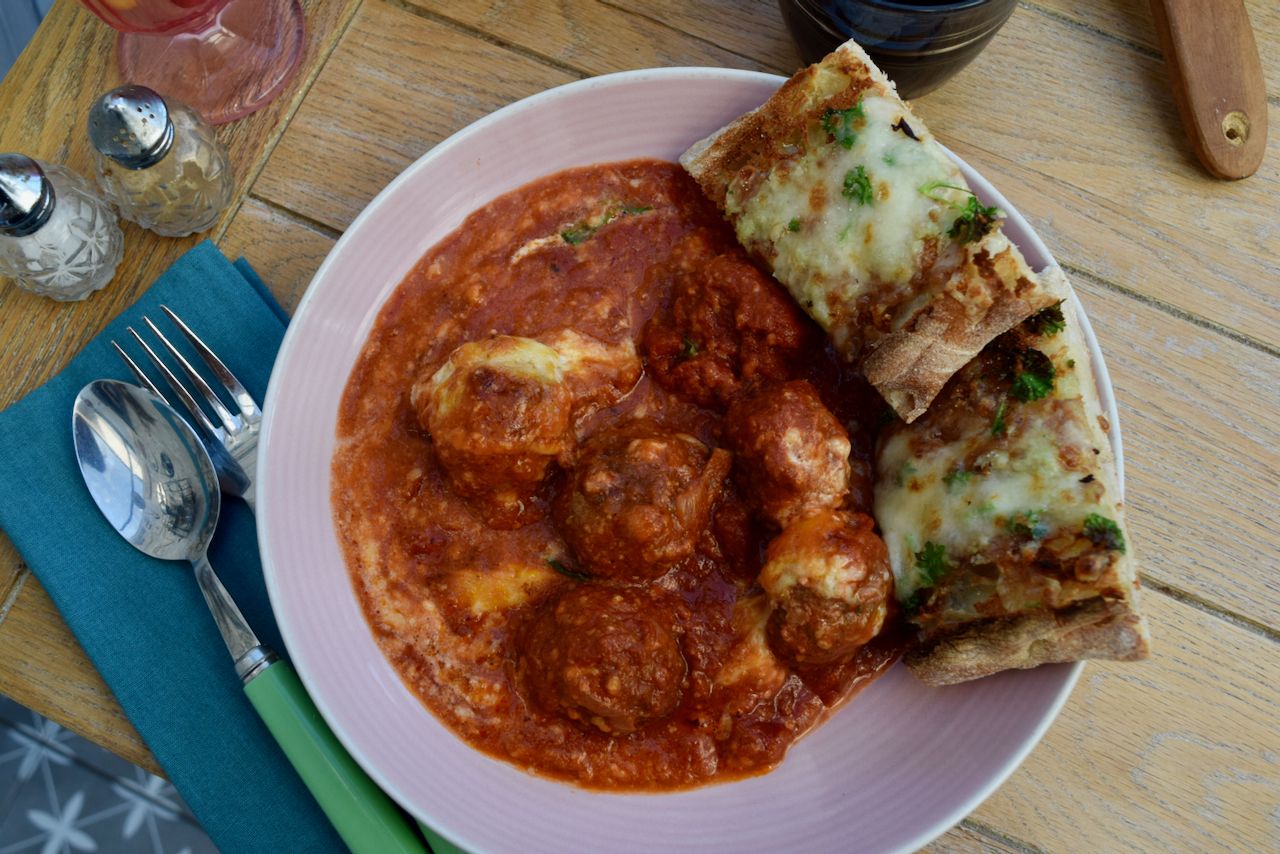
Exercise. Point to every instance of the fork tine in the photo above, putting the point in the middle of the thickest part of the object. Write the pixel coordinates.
(248, 406)
(229, 421)
(185, 396)
(138, 373)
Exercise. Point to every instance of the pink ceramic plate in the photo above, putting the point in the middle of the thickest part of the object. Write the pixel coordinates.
(895, 768)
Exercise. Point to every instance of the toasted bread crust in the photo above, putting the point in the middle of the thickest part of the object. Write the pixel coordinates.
(992, 294)
(761, 136)
(1093, 629)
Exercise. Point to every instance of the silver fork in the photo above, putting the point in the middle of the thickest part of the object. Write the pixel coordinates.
(234, 445)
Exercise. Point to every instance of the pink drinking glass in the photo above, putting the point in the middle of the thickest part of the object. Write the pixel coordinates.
(225, 58)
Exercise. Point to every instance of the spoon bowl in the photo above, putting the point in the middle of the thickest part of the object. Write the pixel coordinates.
(146, 470)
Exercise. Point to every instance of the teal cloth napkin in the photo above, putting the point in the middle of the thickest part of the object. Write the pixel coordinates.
(143, 621)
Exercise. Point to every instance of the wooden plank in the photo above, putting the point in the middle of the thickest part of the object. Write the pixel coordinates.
(750, 28)
(285, 251)
(398, 85)
(1131, 20)
(1173, 755)
(43, 668)
(597, 38)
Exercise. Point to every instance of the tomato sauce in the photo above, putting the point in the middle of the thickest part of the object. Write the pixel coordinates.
(451, 592)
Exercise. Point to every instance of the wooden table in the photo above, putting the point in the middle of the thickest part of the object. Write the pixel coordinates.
(1068, 112)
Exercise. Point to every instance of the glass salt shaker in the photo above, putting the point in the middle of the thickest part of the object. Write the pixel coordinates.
(58, 236)
(159, 161)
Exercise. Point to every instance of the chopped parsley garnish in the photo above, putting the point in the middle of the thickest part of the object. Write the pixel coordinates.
(998, 427)
(839, 123)
(1029, 524)
(1104, 532)
(690, 348)
(564, 570)
(974, 221)
(1047, 321)
(985, 509)
(857, 186)
(581, 231)
(794, 225)
(905, 473)
(956, 479)
(932, 563)
(1034, 379)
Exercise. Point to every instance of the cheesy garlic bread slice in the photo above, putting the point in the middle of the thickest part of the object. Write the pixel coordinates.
(838, 189)
(1001, 510)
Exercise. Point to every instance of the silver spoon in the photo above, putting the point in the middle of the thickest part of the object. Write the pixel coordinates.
(152, 478)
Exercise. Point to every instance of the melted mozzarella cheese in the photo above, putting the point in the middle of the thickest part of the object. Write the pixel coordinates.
(1021, 479)
(487, 591)
(520, 358)
(826, 247)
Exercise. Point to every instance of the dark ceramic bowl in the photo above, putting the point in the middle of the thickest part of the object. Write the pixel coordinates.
(919, 45)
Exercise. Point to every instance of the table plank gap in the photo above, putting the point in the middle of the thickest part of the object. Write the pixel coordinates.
(283, 248)
(11, 590)
(1213, 609)
(489, 38)
(1095, 28)
(749, 28)
(1131, 21)
(1081, 274)
(1003, 841)
(296, 217)
(634, 10)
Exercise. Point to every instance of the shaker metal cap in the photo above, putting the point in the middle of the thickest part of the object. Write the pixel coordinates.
(26, 195)
(131, 125)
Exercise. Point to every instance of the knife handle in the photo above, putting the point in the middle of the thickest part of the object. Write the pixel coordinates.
(364, 817)
(1212, 57)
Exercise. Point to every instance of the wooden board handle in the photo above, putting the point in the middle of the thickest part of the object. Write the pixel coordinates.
(1217, 80)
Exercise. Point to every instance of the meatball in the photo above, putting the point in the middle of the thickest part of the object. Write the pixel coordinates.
(499, 415)
(607, 657)
(791, 454)
(731, 329)
(829, 582)
(638, 499)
